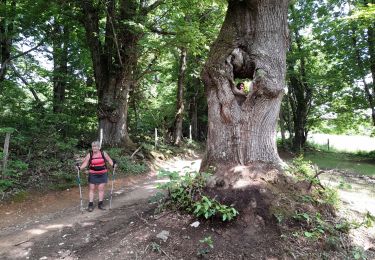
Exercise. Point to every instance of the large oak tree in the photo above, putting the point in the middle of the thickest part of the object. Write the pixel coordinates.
(252, 45)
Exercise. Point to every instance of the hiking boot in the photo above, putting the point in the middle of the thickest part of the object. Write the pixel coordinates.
(91, 207)
(100, 205)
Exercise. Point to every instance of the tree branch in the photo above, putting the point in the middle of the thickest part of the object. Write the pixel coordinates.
(151, 7)
(26, 83)
(148, 69)
(8, 61)
(161, 32)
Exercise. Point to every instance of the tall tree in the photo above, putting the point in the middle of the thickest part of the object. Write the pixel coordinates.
(252, 44)
(60, 65)
(180, 97)
(113, 35)
(370, 91)
(299, 85)
(6, 35)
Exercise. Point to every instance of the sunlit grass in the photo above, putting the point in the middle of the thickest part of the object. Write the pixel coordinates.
(343, 161)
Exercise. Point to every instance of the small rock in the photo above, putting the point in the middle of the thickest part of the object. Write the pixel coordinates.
(163, 235)
(61, 244)
(195, 224)
(43, 258)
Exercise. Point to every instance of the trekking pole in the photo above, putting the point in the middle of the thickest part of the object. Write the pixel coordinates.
(113, 180)
(79, 185)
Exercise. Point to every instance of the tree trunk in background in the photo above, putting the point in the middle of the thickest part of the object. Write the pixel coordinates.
(6, 35)
(60, 66)
(177, 135)
(6, 154)
(282, 125)
(300, 90)
(369, 92)
(194, 117)
(252, 44)
(115, 60)
(371, 48)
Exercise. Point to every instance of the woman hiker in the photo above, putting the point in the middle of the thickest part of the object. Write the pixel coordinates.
(98, 176)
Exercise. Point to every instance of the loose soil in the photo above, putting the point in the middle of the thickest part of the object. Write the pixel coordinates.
(51, 226)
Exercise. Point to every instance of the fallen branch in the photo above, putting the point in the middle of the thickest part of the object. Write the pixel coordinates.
(22, 242)
(139, 148)
(165, 253)
(316, 177)
(144, 220)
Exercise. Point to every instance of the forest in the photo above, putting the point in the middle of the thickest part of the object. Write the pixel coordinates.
(155, 79)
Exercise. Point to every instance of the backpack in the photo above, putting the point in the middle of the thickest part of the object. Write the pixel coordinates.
(101, 151)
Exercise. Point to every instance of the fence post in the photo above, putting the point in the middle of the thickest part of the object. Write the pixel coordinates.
(156, 137)
(328, 144)
(101, 137)
(190, 135)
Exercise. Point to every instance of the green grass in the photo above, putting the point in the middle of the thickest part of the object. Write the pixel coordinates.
(344, 161)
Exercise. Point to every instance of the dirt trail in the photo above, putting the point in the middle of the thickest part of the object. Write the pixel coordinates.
(51, 226)
(357, 196)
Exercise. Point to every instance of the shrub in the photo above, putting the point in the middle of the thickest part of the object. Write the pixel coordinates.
(186, 192)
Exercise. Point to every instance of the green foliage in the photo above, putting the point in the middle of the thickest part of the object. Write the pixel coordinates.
(208, 246)
(186, 192)
(304, 170)
(359, 254)
(210, 207)
(14, 174)
(20, 196)
(125, 164)
(155, 247)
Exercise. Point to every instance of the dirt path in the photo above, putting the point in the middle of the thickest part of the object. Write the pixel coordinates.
(357, 196)
(52, 227)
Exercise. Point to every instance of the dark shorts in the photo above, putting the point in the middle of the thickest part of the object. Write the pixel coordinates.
(98, 178)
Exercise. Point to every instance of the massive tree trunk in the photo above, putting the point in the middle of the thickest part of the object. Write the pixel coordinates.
(60, 66)
(252, 44)
(115, 60)
(177, 135)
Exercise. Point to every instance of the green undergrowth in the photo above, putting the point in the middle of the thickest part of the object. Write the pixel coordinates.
(57, 172)
(186, 192)
(166, 150)
(305, 213)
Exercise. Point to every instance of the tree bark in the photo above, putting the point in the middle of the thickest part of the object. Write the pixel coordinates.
(371, 48)
(369, 92)
(6, 153)
(115, 64)
(194, 116)
(252, 44)
(177, 136)
(60, 66)
(300, 90)
(6, 34)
